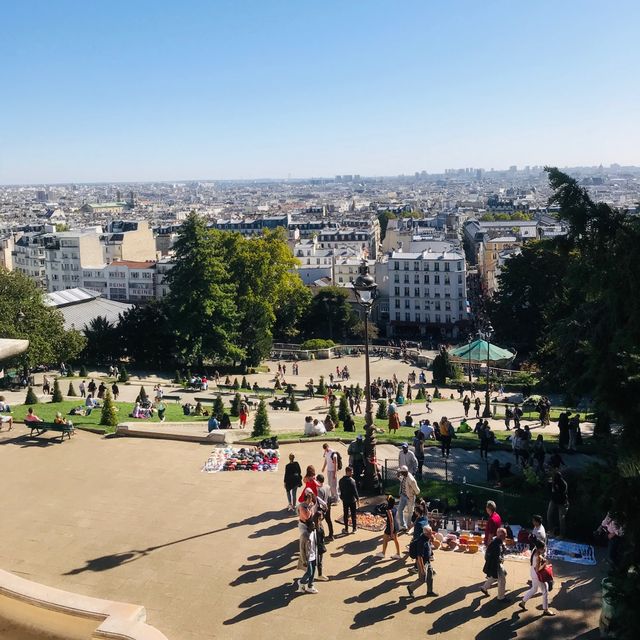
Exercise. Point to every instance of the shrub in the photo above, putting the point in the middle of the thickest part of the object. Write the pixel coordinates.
(381, 413)
(442, 368)
(236, 384)
(57, 394)
(178, 378)
(124, 375)
(218, 407)
(83, 372)
(293, 404)
(322, 387)
(333, 411)
(261, 421)
(31, 398)
(142, 396)
(317, 343)
(70, 372)
(71, 391)
(109, 416)
(244, 384)
(235, 405)
(420, 395)
(343, 409)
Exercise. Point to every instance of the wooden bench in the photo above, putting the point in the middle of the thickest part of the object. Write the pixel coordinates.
(39, 428)
(171, 397)
(280, 404)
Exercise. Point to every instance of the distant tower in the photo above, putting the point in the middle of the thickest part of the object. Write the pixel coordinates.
(132, 199)
(118, 196)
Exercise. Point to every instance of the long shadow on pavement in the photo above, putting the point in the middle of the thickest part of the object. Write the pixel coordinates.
(264, 566)
(270, 600)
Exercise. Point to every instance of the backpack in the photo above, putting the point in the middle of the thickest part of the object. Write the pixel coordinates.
(338, 461)
(413, 549)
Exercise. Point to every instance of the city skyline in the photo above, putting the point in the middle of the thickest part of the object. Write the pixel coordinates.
(157, 92)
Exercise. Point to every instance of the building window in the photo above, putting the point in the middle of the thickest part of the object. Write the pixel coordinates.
(459, 305)
(397, 304)
(406, 266)
(416, 292)
(426, 293)
(446, 266)
(407, 317)
(396, 266)
(437, 305)
(459, 266)
(459, 278)
(406, 278)
(406, 292)
(436, 266)
(437, 318)
(447, 280)
(447, 319)
(397, 315)
(436, 279)
(407, 303)
(416, 279)
(417, 317)
(426, 278)
(396, 277)
(416, 266)
(396, 291)
(426, 266)
(447, 305)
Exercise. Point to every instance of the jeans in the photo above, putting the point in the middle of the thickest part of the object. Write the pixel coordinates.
(349, 508)
(333, 483)
(502, 582)
(405, 502)
(424, 578)
(291, 496)
(445, 442)
(557, 512)
(309, 574)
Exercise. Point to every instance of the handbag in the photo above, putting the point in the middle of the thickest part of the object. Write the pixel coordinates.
(545, 574)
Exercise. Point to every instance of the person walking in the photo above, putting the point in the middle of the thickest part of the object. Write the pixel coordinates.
(406, 458)
(424, 558)
(540, 579)
(394, 419)
(409, 489)
(308, 557)
(466, 404)
(494, 565)
(508, 416)
(390, 532)
(476, 405)
(446, 435)
(350, 499)
(493, 523)
(83, 389)
(292, 481)
(324, 501)
(321, 547)
(330, 465)
(558, 504)
(539, 453)
(115, 391)
(418, 446)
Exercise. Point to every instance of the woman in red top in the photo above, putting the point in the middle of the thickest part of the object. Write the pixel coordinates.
(493, 523)
(309, 483)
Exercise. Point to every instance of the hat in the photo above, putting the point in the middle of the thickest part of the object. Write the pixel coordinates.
(403, 468)
(405, 445)
(359, 438)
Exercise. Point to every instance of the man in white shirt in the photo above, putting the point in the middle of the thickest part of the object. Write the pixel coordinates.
(409, 489)
(331, 467)
(427, 429)
(539, 532)
(406, 458)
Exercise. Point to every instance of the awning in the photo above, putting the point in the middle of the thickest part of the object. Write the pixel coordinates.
(477, 352)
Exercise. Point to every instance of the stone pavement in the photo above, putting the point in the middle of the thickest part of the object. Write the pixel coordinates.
(214, 555)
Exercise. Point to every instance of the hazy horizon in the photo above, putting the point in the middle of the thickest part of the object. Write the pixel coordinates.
(147, 91)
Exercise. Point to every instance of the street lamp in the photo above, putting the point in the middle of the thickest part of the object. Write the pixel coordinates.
(365, 289)
(488, 332)
(469, 340)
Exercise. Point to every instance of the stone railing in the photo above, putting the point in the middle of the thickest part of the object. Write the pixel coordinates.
(62, 615)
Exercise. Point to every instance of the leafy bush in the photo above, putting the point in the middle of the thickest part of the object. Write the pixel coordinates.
(31, 398)
(218, 407)
(109, 416)
(317, 343)
(322, 387)
(293, 404)
(261, 422)
(343, 409)
(381, 413)
(57, 394)
(420, 395)
(83, 371)
(235, 405)
(333, 411)
(124, 375)
(71, 391)
(236, 384)
(244, 384)
(443, 368)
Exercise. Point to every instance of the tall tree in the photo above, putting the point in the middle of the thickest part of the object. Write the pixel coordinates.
(330, 315)
(102, 344)
(201, 301)
(24, 315)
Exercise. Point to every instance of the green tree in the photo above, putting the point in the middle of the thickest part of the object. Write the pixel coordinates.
(333, 411)
(56, 396)
(322, 387)
(235, 405)
(109, 415)
(23, 315)
(381, 412)
(218, 407)
(83, 372)
(142, 395)
(383, 219)
(123, 376)
(330, 315)
(244, 384)
(236, 384)
(146, 335)
(343, 409)
(293, 403)
(442, 368)
(261, 422)
(201, 303)
(71, 391)
(102, 341)
(31, 397)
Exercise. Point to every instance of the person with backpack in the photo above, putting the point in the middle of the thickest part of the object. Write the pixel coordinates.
(332, 464)
(424, 557)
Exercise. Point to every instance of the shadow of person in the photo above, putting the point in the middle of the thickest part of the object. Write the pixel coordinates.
(266, 602)
(371, 594)
(275, 529)
(271, 563)
(378, 613)
(104, 563)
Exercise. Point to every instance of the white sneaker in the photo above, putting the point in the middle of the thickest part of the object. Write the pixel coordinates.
(310, 590)
(300, 587)
(379, 555)
(396, 556)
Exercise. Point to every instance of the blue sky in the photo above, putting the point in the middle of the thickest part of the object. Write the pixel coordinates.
(153, 90)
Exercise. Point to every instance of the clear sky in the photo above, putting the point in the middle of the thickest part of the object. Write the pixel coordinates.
(153, 90)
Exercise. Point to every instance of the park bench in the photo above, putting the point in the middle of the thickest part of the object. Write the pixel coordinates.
(280, 403)
(39, 428)
(171, 397)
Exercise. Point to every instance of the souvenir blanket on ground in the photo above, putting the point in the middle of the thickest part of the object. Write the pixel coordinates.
(249, 459)
(366, 521)
(570, 551)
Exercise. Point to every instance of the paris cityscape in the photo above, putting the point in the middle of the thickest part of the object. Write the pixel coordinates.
(319, 320)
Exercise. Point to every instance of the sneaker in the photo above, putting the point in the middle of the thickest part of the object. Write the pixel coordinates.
(486, 593)
(300, 587)
(413, 570)
(432, 594)
(323, 578)
(548, 612)
(410, 591)
(379, 555)
(310, 590)
(522, 605)
(396, 556)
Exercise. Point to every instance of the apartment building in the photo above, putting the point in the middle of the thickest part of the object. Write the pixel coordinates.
(123, 280)
(28, 257)
(491, 256)
(65, 253)
(128, 240)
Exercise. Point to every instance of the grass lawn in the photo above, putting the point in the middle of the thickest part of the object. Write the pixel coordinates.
(47, 411)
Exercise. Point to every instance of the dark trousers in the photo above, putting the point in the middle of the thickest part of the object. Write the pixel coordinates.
(484, 448)
(420, 465)
(329, 520)
(424, 578)
(445, 442)
(349, 507)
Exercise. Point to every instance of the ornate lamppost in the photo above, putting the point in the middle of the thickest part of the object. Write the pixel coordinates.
(365, 289)
(488, 333)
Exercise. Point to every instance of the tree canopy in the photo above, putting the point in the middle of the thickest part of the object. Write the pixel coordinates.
(330, 315)
(24, 315)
